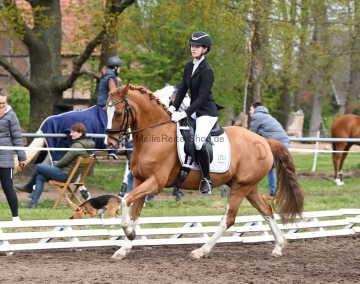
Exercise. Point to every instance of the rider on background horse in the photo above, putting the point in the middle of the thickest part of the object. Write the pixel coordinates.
(111, 71)
(198, 77)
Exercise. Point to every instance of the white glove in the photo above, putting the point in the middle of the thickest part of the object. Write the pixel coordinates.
(177, 115)
(171, 109)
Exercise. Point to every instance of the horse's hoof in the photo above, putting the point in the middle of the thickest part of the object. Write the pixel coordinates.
(194, 255)
(339, 182)
(276, 254)
(118, 256)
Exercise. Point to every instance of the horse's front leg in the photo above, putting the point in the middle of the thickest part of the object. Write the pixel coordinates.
(128, 224)
(129, 221)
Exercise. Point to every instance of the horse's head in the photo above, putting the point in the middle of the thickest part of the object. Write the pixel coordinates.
(119, 113)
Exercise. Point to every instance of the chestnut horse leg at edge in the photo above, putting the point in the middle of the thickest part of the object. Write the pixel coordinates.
(345, 126)
(155, 165)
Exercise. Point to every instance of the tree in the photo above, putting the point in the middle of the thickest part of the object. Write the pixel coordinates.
(38, 25)
(354, 86)
(153, 45)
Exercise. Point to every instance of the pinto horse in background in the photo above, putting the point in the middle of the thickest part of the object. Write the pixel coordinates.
(155, 165)
(345, 126)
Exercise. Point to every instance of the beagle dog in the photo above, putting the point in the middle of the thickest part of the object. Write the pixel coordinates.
(97, 206)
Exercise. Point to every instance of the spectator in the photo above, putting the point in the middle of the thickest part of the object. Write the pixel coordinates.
(10, 135)
(267, 126)
(62, 169)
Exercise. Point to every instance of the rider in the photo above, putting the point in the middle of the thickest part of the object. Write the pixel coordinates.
(198, 77)
(112, 70)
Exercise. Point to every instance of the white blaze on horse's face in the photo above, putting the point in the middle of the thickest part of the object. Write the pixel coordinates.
(110, 114)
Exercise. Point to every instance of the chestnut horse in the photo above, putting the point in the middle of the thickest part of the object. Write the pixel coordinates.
(155, 165)
(345, 126)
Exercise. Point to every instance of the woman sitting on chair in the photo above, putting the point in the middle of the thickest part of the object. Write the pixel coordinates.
(62, 169)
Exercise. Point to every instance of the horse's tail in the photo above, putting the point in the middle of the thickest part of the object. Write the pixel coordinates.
(289, 195)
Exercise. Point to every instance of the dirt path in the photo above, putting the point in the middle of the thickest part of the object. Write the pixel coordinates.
(325, 260)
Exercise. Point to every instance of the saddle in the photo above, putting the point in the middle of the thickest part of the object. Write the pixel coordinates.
(187, 128)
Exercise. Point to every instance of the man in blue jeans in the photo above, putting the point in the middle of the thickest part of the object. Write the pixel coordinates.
(267, 126)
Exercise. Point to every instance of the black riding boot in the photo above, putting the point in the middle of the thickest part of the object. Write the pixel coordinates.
(123, 190)
(204, 163)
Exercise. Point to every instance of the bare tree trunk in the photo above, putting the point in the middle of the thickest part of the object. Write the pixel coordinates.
(258, 48)
(319, 42)
(354, 86)
(301, 75)
(287, 71)
(285, 102)
(315, 118)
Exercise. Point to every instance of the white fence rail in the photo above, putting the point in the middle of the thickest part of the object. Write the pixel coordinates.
(75, 234)
(292, 139)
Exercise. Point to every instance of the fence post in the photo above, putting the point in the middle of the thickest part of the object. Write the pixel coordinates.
(316, 150)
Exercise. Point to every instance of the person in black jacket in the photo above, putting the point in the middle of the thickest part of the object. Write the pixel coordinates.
(198, 78)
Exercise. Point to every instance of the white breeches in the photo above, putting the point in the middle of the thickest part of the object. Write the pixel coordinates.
(204, 124)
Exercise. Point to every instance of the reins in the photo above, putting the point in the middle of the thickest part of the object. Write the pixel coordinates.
(151, 126)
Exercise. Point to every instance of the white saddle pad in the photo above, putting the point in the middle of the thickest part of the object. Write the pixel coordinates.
(221, 153)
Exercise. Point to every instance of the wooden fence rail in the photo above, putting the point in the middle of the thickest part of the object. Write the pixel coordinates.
(76, 234)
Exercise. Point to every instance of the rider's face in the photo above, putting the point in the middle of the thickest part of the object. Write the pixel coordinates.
(197, 50)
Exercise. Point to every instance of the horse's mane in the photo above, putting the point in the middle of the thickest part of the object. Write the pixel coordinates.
(151, 96)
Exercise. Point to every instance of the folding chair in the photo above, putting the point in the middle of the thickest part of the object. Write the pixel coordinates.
(63, 187)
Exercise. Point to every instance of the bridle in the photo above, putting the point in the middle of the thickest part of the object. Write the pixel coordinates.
(125, 124)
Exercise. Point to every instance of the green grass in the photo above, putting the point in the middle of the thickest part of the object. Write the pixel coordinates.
(319, 194)
(324, 164)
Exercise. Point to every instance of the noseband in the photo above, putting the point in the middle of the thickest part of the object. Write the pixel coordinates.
(125, 124)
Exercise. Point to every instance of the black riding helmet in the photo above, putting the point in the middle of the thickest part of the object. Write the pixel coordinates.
(114, 61)
(201, 38)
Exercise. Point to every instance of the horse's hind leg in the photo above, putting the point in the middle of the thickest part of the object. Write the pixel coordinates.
(227, 221)
(338, 160)
(343, 157)
(264, 208)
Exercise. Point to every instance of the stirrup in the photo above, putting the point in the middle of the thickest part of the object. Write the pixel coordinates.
(208, 184)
